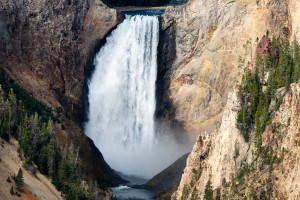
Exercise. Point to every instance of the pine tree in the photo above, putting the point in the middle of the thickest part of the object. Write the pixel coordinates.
(296, 56)
(52, 154)
(42, 161)
(208, 193)
(24, 135)
(3, 129)
(19, 180)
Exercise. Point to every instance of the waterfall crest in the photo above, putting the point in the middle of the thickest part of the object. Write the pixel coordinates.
(122, 95)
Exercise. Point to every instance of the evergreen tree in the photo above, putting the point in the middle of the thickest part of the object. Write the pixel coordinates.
(52, 155)
(282, 64)
(208, 193)
(19, 180)
(296, 56)
(39, 144)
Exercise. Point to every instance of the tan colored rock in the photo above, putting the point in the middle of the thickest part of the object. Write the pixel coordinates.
(286, 137)
(209, 36)
(295, 16)
(224, 152)
(35, 186)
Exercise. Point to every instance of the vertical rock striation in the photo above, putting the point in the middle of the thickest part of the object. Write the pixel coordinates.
(215, 154)
(222, 155)
(219, 36)
(201, 44)
(47, 46)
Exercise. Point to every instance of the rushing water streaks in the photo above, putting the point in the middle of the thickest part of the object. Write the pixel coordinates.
(122, 95)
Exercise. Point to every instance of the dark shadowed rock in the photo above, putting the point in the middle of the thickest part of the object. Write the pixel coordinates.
(168, 180)
(47, 46)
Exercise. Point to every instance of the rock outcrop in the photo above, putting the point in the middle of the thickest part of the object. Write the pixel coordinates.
(46, 46)
(210, 42)
(216, 154)
(201, 43)
(223, 155)
(167, 181)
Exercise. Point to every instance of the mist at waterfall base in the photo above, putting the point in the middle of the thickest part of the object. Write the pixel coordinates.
(122, 101)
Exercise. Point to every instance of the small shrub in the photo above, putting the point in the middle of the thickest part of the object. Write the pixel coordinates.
(236, 150)
(191, 183)
(8, 179)
(194, 194)
(278, 102)
(12, 192)
(18, 194)
(67, 115)
(58, 110)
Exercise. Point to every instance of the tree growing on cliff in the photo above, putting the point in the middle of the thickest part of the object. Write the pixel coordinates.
(276, 66)
(208, 193)
(19, 179)
(39, 144)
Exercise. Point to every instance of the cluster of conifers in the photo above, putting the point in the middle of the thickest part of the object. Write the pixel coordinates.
(39, 144)
(276, 67)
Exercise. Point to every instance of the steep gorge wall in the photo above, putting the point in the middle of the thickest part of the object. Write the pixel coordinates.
(201, 44)
(201, 89)
(222, 155)
(47, 45)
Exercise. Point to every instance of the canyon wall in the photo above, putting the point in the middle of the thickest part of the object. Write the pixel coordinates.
(203, 43)
(221, 157)
(220, 38)
(46, 46)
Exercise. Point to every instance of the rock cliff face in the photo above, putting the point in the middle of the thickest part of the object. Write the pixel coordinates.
(46, 46)
(224, 155)
(207, 45)
(215, 154)
(201, 43)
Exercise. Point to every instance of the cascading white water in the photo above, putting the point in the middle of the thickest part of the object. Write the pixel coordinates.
(122, 101)
(122, 95)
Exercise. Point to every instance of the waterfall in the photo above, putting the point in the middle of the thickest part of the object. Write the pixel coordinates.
(122, 96)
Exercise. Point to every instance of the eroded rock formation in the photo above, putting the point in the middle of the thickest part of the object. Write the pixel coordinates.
(47, 45)
(223, 155)
(220, 38)
(201, 44)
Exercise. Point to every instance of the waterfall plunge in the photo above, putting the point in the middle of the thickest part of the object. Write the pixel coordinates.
(122, 99)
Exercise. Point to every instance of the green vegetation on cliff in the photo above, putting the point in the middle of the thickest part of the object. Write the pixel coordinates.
(39, 144)
(266, 82)
(19, 179)
(277, 65)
